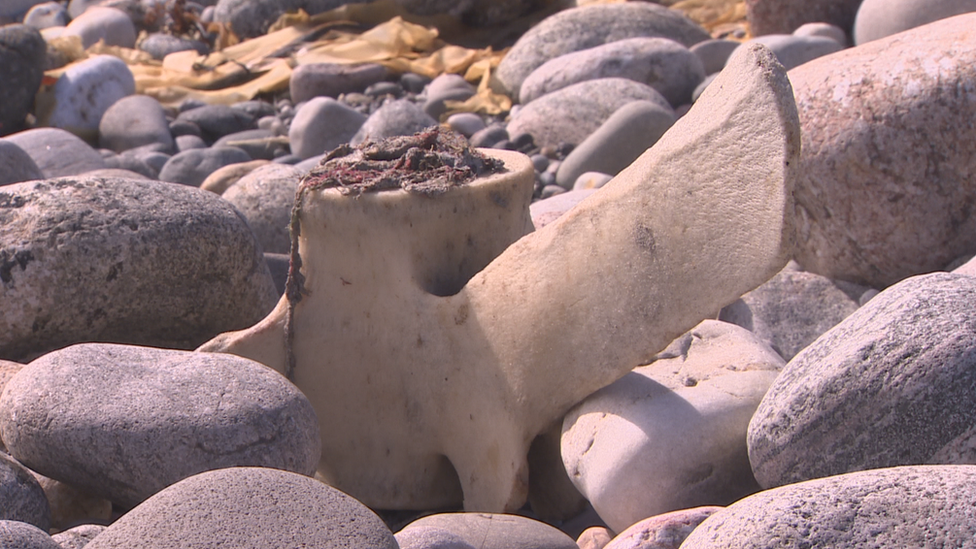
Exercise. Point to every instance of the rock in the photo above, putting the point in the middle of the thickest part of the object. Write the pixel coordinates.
(466, 123)
(792, 50)
(16, 165)
(189, 142)
(123, 422)
(110, 25)
(793, 309)
(79, 536)
(626, 134)
(552, 496)
(21, 497)
(663, 64)
(825, 30)
(880, 18)
(590, 180)
(430, 538)
(886, 190)
(193, 166)
(667, 531)
(785, 16)
(20, 535)
(887, 386)
(258, 144)
(7, 371)
(251, 18)
(159, 45)
(47, 14)
(589, 26)
(115, 260)
(922, 506)
(671, 435)
(581, 280)
(546, 211)
(85, 91)
(332, 79)
(401, 117)
(219, 181)
(247, 508)
(446, 87)
(493, 531)
(71, 506)
(322, 124)
(265, 197)
(22, 60)
(571, 114)
(594, 537)
(714, 53)
(78, 7)
(57, 152)
(16, 8)
(216, 121)
(132, 122)
(489, 136)
(474, 12)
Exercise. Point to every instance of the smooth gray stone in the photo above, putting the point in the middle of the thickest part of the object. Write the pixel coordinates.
(78, 537)
(446, 87)
(58, 152)
(132, 122)
(216, 121)
(188, 142)
(159, 45)
(825, 30)
(571, 114)
(248, 508)
(22, 60)
(48, 14)
(255, 108)
(20, 535)
(16, 165)
(892, 384)
(546, 211)
(110, 25)
(879, 18)
(123, 422)
(714, 53)
(191, 167)
(466, 123)
(920, 506)
(142, 262)
(266, 196)
(332, 80)
(14, 8)
(21, 497)
(630, 130)
(85, 91)
(792, 51)
(495, 531)
(663, 64)
(430, 538)
(785, 16)
(401, 117)
(256, 143)
(589, 26)
(128, 163)
(322, 124)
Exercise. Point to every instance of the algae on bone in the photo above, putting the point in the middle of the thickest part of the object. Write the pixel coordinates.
(423, 398)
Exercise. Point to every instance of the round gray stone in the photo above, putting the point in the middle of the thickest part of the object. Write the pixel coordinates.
(714, 53)
(21, 497)
(792, 50)
(159, 45)
(16, 164)
(879, 18)
(785, 16)
(248, 508)
(332, 80)
(266, 196)
(216, 121)
(123, 422)
(425, 537)
(22, 60)
(322, 124)
(20, 535)
(78, 537)
(85, 91)
(46, 15)
(134, 121)
(191, 167)
(58, 152)
(401, 117)
(495, 531)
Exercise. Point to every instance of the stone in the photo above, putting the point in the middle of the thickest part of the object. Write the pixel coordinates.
(462, 353)
(571, 114)
(886, 190)
(663, 64)
(493, 531)
(257, 143)
(78, 7)
(785, 16)
(546, 211)
(7, 371)
(57, 152)
(16, 8)
(590, 180)
(466, 123)
(256, 108)
(21, 497)
(665, 531)
(825, 30)
(265, 197)
(248, 508)
(430, 538)
(446, 87)
(396, 118)
(159, 45)
(671, 435)
(322, 124)
(189, 142)
(793, 309)
(219, 181)
(132, 122)
(141, 262)
(192, 167)
(792, 50)
(625, 135)
(20, 535)
(922, 506)
(880, 18)
(16, 165)
(216, 121)
(714, 53)
(79, 536)
(489, 136)
(552, 496)
(589, 26)
(71, 506)
(22, 60)
(476, 13)
(890, 385)
(594, 537)
(85, 91)
(123, 422)
(46, 14)
(109, 25)
(332, 79)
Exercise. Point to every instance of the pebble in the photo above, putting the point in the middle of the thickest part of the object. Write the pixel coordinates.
(58, 152)
(159, 45)
(430, 538)
(216, 121)
(794, 50)
(129, 163)
(48, 14)
(21, 535)
(665, 531)
(466, 123)
(86, 90)
(322, 124)
(590, 180)
(400, 117)
(446, 87)
(192, 167)
(785, 16)
(21, 497)
(22, 54)
(332, 80)
(825, 30)
(78, 537)
(714, 53)
(493, 531)
(265, 197)
(18, 165)
(71, 506)
(15, 8)
(132, 122)
(257, 143)
(880, 18)
(220, 180)
(113, 26)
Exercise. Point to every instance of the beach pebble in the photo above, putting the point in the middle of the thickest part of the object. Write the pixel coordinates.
(216, 121)
(159, 45)
(629, 131)
(792, 50)
(825, 30)
(134, 121)
(671, 435)
(571, 114)
(150, 263)
(20, 535)
(589, 180)
(58, 152)
(466, 123)
(251, 18)
(79, 536)
(880, 18)
(322, 124)
(446, 87)
(192, 167)
(48, 14)
(86, 90)
(17, 165)
(111, 25)
(594, 537)
(589, 26)
(714, 53)
(546, 211)
(665, 531)
(430, 538)
(124, 422)
(21, 497)
(248, 508)
(16, 8)
(257, 143)
(495, 531)
(22, 60)
(265, 196)
(187, 142)
(785, 16)
(920, 506)
(489, 136)
(663, 64)
(221, 179)
(400, 117)
(78, 7)
(332, 79)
